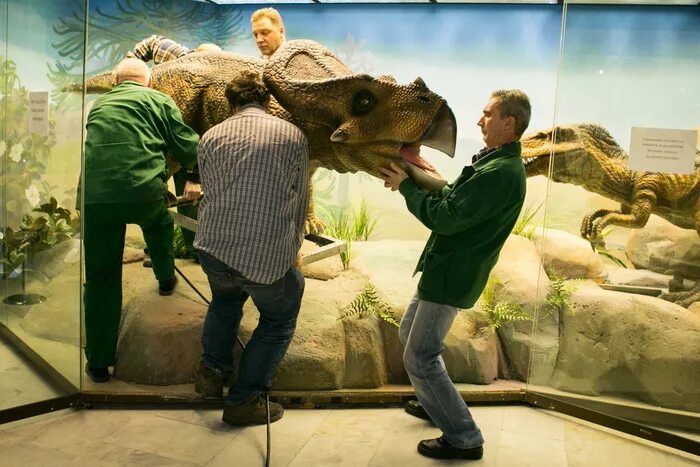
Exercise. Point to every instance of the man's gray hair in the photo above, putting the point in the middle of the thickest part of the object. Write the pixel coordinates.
(132, 68)
(514, 103)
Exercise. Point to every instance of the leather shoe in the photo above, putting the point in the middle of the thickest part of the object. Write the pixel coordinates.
(208, 383)
(439, 448)
(97, 375)
(416, 409)
(167, 287)
(252, 412)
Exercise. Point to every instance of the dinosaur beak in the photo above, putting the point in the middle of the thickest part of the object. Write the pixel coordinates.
(442, 133)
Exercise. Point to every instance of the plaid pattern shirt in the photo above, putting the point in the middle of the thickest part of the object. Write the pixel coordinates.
(255, 176)
(159, 49)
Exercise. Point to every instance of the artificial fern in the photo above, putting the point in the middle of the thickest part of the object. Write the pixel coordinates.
(559, 295)
(500, 312)
(368, 303)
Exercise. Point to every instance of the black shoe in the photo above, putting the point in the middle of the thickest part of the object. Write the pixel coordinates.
(416, 409)
(167, 287)
(439, 448)
(97, 375)
(208, 383)
(252, 412)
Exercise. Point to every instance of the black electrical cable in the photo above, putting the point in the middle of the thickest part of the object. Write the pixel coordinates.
(240, 342)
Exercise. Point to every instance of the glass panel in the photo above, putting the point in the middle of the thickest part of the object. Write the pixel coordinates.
(41, 153)
(618, 327)
(461, 57)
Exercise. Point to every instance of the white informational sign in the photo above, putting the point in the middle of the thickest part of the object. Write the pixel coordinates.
(662, 150)
(39, 113)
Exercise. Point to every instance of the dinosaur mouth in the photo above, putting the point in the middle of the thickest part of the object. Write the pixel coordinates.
(411, 154)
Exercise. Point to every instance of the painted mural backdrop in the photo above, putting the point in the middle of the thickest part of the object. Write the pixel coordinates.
(463, 52)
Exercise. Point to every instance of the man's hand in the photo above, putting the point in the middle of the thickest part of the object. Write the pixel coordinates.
(192, 191)
(393, 176)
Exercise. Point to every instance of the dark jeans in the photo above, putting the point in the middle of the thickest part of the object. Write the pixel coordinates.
(278, 304)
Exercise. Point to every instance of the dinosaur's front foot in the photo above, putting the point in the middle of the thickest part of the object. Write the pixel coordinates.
(591, 230)
(313, 225)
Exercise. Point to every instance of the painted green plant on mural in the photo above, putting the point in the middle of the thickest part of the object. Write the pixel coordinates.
(111, 34)
(24, 154)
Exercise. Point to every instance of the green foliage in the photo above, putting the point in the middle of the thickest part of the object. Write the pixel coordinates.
(559, 295)
(364, 222)
(600, 248)
(52, 225)
(500, 313)
(348, 224)
(339, 225)
(179, 245)
(523, 225)
(114, 33)
(368, 303)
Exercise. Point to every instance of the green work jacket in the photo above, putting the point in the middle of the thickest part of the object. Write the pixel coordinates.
(470, 221)
(129, 131)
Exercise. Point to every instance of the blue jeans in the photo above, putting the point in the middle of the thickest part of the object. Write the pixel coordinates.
(423, 329)
(278, 304)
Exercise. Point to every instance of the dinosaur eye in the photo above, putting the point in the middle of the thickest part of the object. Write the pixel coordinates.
(363, 102)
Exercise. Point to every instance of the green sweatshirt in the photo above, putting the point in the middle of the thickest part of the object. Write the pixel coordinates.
(129, 131)
(470, 221)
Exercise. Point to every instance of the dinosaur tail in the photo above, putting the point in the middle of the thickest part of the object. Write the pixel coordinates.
(96, 84)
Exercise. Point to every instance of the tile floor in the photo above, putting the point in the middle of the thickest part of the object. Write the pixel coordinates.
(515, 436)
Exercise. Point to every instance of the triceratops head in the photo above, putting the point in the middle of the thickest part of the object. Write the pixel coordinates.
(354, 121)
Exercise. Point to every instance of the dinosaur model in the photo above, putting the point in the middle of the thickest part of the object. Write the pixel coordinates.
(588, 156)
(353, 122)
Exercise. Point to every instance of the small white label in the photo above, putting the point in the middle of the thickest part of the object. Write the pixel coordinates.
(39, 113)
(662, 150)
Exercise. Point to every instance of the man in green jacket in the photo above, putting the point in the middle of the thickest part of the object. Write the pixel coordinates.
(470, 220)
(129, 131)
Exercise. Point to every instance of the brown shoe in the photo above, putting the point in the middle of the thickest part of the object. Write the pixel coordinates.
(439, 448)
(208, 383)
(252, 412)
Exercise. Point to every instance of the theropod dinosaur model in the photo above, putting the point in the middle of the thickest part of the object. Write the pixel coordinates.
(587, 155)
(353, 122)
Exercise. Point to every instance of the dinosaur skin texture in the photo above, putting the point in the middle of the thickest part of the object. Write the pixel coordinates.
(588, 156)
(353, 122)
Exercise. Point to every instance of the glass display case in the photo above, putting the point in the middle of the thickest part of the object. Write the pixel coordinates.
(590, 309)
(41, 259)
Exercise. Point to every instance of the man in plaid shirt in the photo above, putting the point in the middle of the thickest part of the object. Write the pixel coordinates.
(254, 170)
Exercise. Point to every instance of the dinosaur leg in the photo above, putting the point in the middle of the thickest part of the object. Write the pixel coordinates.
(313, 225)
(636, 216)
(688, 297)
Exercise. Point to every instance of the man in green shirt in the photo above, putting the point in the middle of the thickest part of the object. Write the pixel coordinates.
(129, 131)
(470, 220)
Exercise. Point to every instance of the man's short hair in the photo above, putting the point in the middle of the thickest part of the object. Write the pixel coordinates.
(247, 87)
(132, 68)
(514, 103)
(269, 13)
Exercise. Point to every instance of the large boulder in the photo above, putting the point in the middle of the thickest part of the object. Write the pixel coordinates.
(622, 344)
(517, 274)
(567, 255)
(662, 247)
